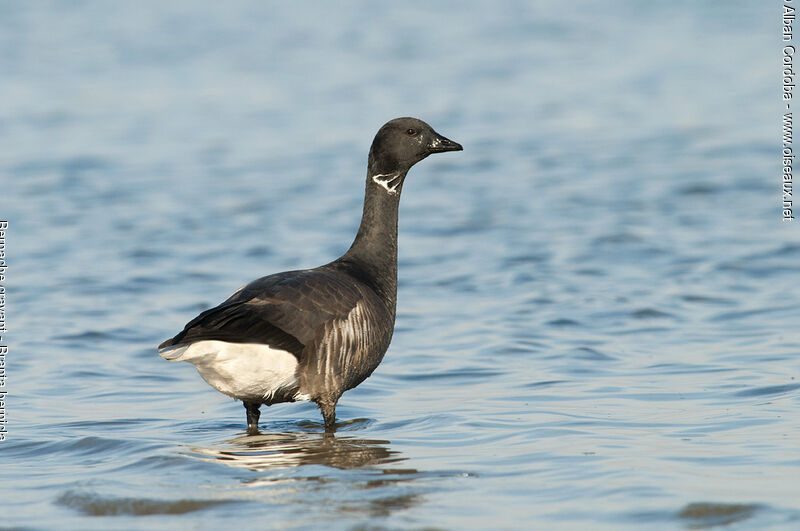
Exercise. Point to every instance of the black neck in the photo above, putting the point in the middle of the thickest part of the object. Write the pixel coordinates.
(373, 254)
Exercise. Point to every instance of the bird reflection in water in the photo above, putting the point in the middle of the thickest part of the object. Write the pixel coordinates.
(360, 477)
(265, 451)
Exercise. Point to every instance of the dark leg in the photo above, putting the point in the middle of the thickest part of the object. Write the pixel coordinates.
(253, 412)
(328, 415)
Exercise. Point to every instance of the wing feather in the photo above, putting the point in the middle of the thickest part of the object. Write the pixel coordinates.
(289, 311)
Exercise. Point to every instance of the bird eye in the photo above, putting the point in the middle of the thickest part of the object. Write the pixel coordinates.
(411, 132)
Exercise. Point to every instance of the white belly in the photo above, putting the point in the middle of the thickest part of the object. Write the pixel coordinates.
(247, 371)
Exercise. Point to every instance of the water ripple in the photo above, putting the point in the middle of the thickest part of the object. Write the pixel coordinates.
(769, 390)
(92, 504)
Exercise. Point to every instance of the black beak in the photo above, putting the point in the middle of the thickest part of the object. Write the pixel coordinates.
(441, 144)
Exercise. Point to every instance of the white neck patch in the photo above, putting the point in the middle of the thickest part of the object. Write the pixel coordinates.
(389, 181)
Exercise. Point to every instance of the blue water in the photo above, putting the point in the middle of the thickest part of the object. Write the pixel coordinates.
(598, 304)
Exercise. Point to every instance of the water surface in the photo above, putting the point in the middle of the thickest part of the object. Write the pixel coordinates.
(597, 322)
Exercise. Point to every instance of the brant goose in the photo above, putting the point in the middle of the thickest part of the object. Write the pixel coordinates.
(315, 333)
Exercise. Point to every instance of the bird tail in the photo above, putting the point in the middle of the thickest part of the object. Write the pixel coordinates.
(171, 352)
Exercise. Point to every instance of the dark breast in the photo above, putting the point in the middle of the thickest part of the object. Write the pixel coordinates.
(348, 348)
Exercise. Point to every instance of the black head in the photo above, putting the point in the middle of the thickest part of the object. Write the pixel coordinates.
(403, 142)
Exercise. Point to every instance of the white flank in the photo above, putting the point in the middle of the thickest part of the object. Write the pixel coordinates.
(345, 344)
(249, 371)
(383, 179)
